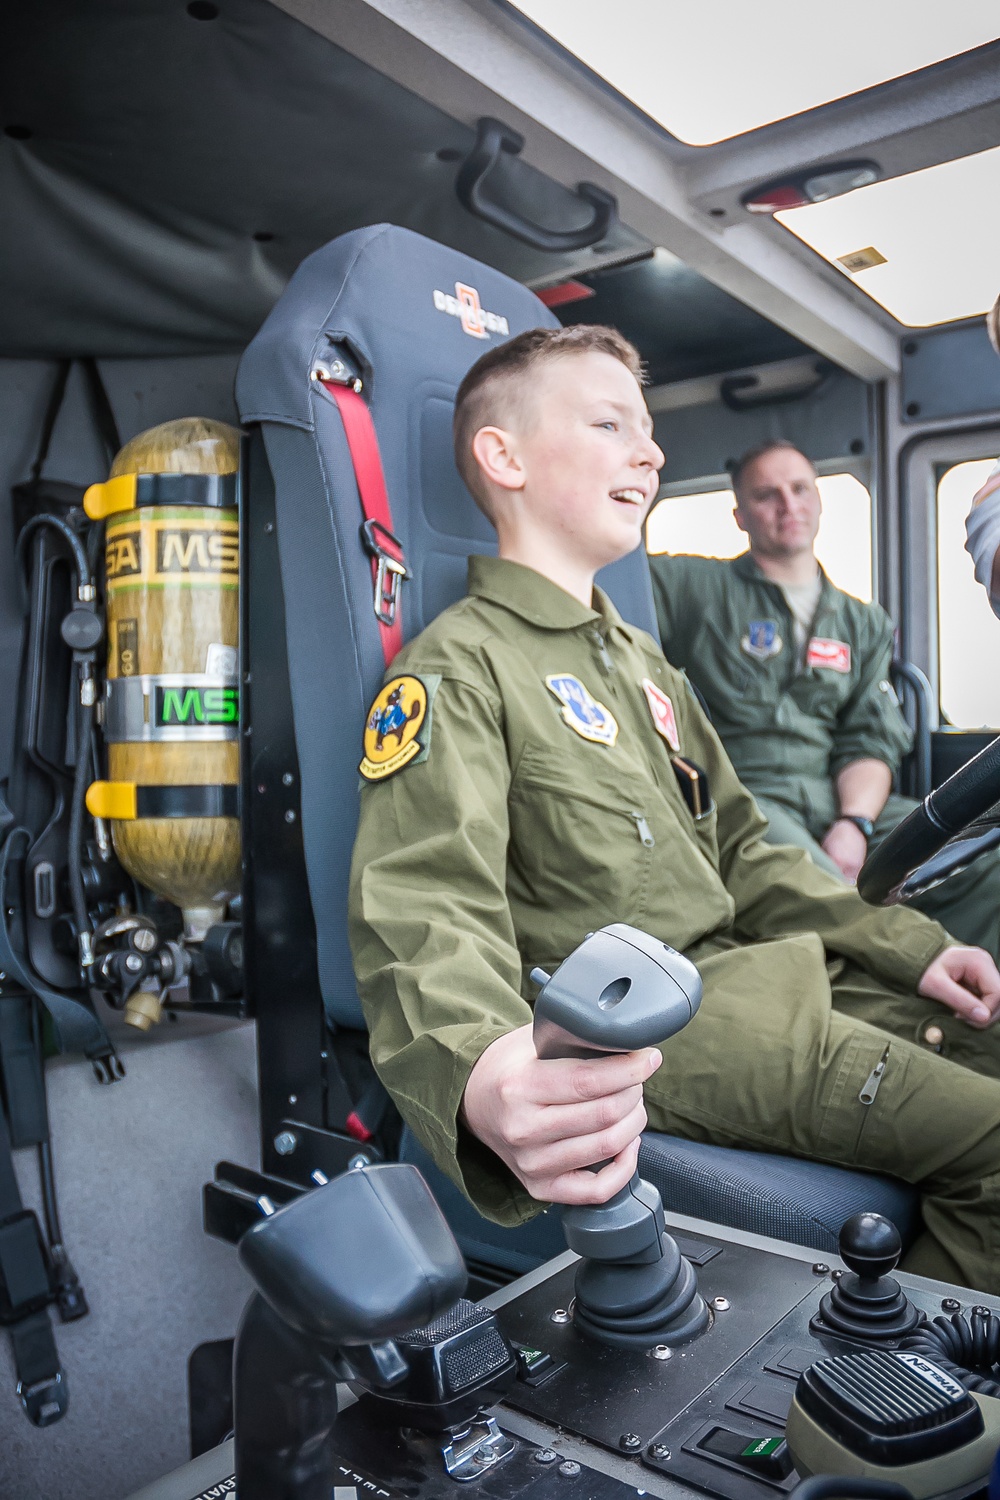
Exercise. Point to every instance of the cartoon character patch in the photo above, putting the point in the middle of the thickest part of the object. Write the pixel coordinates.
(391, 728)
(762, 640)
(590, 719)
(835, 655)
(662, 711)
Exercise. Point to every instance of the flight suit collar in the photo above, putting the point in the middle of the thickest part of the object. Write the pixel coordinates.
(747, 568)
(534, 597)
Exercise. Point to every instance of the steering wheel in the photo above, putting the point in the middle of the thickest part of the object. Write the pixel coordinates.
(951, 828)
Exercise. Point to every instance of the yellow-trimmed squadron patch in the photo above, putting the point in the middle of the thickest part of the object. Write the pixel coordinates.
(588, 718)
(391, 728)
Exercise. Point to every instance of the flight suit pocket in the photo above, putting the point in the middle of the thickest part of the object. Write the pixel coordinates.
(734, 684)
(585, 847)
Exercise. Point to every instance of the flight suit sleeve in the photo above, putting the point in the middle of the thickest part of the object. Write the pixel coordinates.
(432, 936)
(778, 890)
(871, 725)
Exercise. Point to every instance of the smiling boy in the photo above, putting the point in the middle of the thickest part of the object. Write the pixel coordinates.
(559, 776)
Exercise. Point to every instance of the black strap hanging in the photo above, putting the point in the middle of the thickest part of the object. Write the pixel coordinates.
(40, 493)
(25, 1294)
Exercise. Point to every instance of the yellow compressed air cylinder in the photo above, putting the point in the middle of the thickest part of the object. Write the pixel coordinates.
(171, 710)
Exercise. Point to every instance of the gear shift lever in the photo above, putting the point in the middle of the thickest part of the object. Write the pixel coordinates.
(618, 991)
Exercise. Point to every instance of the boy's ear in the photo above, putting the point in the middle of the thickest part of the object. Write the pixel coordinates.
(495, 451)
(738, 518)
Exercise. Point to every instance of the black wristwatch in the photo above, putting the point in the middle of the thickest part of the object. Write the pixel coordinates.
(865, 824)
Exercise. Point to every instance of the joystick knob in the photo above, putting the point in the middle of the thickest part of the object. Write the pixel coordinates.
(618, 991)
(868, 1303)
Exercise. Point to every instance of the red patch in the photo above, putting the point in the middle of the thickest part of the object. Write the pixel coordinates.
(662, 711)
(836, 655)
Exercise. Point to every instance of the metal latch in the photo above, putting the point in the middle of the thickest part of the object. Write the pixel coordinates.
(476, 1448)
(390, 570)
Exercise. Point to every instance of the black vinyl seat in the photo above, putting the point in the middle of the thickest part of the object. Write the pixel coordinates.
(387, 304)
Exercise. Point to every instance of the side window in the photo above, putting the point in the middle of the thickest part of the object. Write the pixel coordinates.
(968, 630)
(703, 524)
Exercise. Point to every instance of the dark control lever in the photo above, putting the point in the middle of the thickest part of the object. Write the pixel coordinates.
(342, 1272)
(621, 990)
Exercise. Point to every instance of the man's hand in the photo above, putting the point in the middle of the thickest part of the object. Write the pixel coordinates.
(550, 1120)
(847, 847)
(992, 483)
(967, 981)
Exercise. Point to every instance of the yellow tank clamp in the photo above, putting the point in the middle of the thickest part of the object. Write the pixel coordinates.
(125, 801)
(102, 500)
(134, 491)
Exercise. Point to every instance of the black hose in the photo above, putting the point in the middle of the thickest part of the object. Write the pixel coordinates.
(74, 854)
(966, 1346)
(69, 536)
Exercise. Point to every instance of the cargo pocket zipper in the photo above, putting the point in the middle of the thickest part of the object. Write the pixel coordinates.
(643, 829)
(874, 1079)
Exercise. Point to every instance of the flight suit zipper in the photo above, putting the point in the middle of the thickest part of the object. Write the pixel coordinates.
(874, 1079)
(643, 829)
(605, 655)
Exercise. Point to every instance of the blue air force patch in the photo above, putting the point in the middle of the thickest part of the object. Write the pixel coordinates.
(762, 639)
(590, 719)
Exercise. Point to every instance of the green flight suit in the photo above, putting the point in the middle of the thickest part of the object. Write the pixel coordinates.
(543, 803)
(789, 732)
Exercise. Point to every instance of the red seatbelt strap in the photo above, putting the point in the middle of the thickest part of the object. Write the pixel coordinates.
(377, 538)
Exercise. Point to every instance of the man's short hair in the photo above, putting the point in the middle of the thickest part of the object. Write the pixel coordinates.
(739, 470)
(488, 395)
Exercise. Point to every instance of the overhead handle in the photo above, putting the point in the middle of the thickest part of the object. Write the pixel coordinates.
(493, 138)
(736, 391)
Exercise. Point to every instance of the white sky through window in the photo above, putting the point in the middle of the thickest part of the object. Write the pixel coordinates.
(703, 524)
(707, 72)
(938, 230)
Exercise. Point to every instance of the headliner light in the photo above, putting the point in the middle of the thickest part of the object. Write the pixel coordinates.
(811, 187)
(564, 293)
(934, 233)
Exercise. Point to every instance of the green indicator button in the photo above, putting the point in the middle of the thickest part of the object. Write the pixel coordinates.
(762, 1447)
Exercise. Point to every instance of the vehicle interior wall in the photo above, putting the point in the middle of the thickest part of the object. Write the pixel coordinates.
(130, 1157)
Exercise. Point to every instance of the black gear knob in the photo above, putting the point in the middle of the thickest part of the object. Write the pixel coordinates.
(869, 1245)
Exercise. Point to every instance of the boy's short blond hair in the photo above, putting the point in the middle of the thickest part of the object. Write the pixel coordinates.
(492, 390)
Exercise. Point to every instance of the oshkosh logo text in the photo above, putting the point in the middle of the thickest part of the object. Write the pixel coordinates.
(466, 305)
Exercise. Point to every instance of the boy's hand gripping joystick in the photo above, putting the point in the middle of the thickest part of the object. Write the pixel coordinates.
(621, 990)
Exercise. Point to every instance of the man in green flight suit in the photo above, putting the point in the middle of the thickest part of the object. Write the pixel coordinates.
(795, 675)
(530, 773)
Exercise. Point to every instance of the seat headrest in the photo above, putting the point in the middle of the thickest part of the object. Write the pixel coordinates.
(399, 301)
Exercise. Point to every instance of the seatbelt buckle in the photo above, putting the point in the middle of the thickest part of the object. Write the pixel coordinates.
(390, 570)
(45, 1401)
(25, 1272)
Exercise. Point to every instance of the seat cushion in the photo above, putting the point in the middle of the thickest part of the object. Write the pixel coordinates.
(781, 1196)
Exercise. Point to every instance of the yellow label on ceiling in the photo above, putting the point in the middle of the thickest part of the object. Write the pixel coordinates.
(861, 260)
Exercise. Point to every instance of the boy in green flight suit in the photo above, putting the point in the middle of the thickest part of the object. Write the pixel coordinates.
(540, 781)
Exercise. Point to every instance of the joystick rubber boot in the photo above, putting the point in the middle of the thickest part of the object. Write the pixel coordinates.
(868, 1303)
(634, 1306)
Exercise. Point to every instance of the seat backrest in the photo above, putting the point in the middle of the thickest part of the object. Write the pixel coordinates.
(409, 317)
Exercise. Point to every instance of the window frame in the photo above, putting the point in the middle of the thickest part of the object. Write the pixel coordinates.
(922, 462)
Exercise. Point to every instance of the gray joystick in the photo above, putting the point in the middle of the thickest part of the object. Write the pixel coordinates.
(619, 991)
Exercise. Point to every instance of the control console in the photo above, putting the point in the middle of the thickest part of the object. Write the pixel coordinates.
(704, 1362)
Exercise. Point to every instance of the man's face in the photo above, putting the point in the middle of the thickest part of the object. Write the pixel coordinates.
(591, 467)
(779, 505)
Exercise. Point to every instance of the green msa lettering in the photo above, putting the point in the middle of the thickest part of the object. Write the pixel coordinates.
(197, 705)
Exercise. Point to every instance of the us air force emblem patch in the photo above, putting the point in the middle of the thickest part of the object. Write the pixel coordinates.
(762, 640)
(590, 719)
(391, 728)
